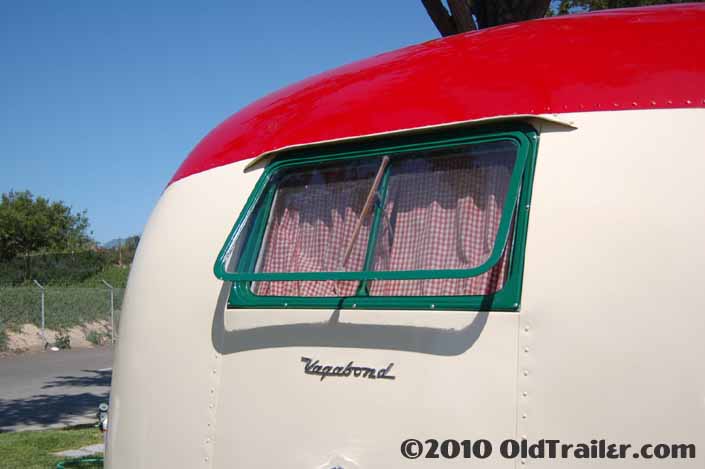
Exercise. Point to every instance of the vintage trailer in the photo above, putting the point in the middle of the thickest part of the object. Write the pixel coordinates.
(479, 251)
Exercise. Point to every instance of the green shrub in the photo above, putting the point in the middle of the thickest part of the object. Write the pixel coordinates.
(20, 305)
(62, 340)
(3, 336)
(53, 268)
(67, 307)
(113, 274)
(97, 338)
(119, 297)
(64, 307)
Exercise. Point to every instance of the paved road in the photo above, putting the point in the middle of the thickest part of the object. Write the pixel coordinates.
(53, 389)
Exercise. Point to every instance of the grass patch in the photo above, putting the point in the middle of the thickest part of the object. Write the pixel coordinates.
(33, 449)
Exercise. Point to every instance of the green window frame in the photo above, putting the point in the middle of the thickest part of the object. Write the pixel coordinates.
(247, 235)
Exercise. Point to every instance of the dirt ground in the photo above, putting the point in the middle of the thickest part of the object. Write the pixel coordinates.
(29, 338)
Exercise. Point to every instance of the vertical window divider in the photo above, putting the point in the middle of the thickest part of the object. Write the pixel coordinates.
(363, 288)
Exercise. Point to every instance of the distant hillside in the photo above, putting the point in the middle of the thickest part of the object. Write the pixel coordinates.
(113, 243)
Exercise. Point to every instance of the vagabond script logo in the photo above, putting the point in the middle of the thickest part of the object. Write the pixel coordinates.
(312, 367)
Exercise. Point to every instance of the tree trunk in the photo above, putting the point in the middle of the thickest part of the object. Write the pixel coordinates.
(468, 15)
(495, 12)
(440, 17)
(462, 15)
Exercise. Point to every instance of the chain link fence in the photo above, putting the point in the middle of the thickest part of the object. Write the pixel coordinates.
(92, 312)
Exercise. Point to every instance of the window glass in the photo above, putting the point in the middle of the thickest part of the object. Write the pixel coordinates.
(311, 227)
(442, 211)
(434, 210)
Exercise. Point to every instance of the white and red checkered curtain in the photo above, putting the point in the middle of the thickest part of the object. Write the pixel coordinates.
(312, 222)
(443, 213)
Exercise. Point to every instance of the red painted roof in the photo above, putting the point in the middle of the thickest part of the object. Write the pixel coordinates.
(635, 58)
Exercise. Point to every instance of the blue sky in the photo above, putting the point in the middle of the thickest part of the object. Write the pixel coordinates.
(101, 101)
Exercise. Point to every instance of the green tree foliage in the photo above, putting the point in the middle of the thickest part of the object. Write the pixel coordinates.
(87, 267)
(63, 268)
(468, 15)
(126, 250)
(30, 224)
(564, 7)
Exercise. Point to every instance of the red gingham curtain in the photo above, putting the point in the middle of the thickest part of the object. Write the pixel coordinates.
(310, 227)
(443, 213)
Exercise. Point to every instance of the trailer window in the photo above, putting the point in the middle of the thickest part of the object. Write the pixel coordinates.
(443, 213)
(313, 218)
(383, 227)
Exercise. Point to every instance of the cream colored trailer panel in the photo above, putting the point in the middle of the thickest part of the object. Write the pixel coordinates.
(613, 322)
(608, 342)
